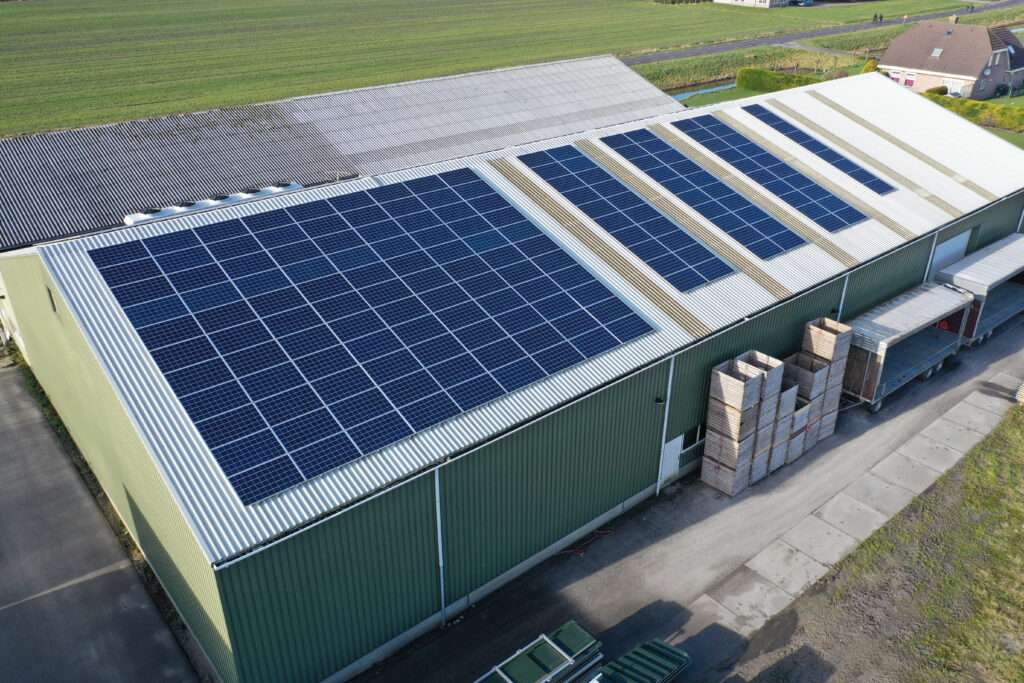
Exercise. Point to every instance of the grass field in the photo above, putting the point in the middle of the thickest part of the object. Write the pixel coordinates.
(1009, 136)
(678, 73)
(707, 98)
(69, 63)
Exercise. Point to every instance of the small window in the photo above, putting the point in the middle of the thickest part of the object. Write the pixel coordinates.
(937, 52)
(909, 79)
(53, 304)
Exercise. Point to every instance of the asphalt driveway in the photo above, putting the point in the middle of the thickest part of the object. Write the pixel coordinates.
(72, 607)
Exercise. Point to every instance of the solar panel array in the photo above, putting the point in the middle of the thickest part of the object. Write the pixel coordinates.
(820, 149)
(659, 242)
(775, 175)
(300, 339)
(749, 225)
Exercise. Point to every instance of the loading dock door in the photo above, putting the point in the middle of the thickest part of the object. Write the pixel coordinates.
(950, 251)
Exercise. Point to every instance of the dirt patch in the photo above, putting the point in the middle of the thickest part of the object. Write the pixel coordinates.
(934, 596)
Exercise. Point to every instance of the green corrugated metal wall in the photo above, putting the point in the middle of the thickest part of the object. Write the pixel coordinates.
(777, 332)
(995, 223)
(515, 497)
(305, 608)
(78, 387)
(887, 277)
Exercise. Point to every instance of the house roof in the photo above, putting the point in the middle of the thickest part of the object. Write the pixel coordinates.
(959, 49)
(55, 185)
(867, 119)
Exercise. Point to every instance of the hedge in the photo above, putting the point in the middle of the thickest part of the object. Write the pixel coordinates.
(983, 113)
(770, 81)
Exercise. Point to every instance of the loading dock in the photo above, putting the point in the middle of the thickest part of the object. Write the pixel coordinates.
(995, 276)
(907, 337)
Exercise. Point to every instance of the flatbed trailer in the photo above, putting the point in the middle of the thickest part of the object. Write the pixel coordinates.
(907, 337)
(569, 653)
(995, 276)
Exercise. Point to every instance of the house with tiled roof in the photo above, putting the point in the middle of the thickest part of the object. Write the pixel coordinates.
(971, 61)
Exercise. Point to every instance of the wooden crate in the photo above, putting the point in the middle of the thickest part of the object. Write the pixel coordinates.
(731, 422)
(787, 399)
(723, 478)
(827, 338)
(783, 430)
(809, 372)
(736, 384)
(828, 425)
(815, 409)
(767, 411)
(773, 369)
(759, 466)
(801, 415)
(763, 440)
(833, 396)
(836, 372)
(811, 434)
(735, 454)
(796, 446)
(778, 456)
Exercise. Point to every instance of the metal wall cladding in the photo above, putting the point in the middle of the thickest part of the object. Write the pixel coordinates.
(77, 386)
(777, 332)
(995, 223)
(511, 499)
(883, 279)
(302, 609)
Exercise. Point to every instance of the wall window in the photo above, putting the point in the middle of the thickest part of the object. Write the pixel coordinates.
(909, 79)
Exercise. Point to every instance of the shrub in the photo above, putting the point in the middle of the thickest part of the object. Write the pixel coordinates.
(983, 113)
(938, 90)
(1002, 90)
(870, 67)
(770, 81)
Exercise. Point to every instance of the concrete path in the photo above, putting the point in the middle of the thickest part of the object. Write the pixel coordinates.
(72, 608)
(806, 35)
(770, 580)
(693, 567)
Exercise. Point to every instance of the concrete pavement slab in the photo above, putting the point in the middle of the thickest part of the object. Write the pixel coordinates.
(706, 611)
(879, 494)
(1005, 381)
(952, 435)
(820, 540)
(935, 455)
(852, 516)
(750, 596)
(994, 403)
(906, 472)
(973, 417)
(787, 567)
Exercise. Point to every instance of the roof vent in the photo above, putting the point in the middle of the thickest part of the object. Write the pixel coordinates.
(156, 214)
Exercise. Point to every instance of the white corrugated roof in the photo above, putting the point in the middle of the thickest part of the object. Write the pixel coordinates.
(902, 316)
(987, 268)
(226, 528)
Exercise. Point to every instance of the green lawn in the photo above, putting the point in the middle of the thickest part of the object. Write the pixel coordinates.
(1009, 136)
(75, 62)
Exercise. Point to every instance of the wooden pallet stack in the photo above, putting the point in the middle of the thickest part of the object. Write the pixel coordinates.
(830, 341)
(810, 374)
(767, 412)
(733, 407)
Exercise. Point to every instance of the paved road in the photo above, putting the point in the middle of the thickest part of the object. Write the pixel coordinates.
(72, 608)
(642, 574)
(804, 35)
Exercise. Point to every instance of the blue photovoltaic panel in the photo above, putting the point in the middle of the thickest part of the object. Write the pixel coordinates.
(775, 175)
(303, 338)
(762, 234)
(811, 144)
(661, 244)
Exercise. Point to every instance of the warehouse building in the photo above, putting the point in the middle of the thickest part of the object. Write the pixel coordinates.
(334, 417)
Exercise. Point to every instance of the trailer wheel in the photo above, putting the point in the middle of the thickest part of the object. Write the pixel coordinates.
(875, 407)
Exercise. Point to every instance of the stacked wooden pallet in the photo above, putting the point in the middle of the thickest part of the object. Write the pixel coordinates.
(764, 413)
(829, 341)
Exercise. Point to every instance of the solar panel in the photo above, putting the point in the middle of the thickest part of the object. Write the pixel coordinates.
(820, 149)
(733, 213)
(775, 175)
(659, 242)
(300, 339)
